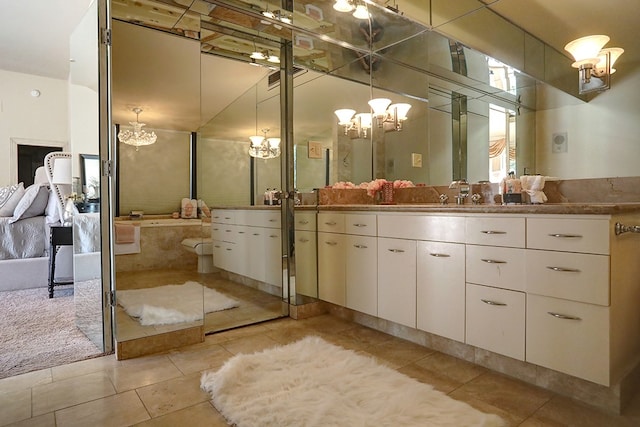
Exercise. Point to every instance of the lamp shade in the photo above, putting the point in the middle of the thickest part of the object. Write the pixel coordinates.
(365, 120)
(379, 106)
(274, 142)
(614, 54)
(256, 140)
(344, 115)
(401, 110)
(343, 6)
(61, 171)
(585, 50)
(361, 12)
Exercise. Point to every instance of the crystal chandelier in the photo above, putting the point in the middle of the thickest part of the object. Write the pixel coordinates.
(264, 148)
(137, 137)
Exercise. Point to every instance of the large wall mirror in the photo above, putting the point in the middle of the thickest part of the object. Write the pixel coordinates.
(471, 116)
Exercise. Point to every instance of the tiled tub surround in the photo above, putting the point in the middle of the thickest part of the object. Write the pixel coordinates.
(597, 190)
(160, 243)
(609, 340)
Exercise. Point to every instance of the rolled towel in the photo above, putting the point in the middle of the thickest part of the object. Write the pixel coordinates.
(533, 185)
(189, 208)
(125, 233)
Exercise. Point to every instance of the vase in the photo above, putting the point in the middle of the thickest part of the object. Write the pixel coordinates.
(387, 193)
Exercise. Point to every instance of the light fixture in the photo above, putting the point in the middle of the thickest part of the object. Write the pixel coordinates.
(264, 148)
(278, 15)
(388, 117)
(594, 63)
(137, 137)
(343, 5)
(361, 12)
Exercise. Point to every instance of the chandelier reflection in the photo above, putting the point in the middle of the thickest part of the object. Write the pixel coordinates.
(138, 136)
(264, 148)
(388, 117)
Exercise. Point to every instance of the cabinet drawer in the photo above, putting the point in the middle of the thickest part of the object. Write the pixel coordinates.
(269, 219)
(331, 222)
(224, 232)
(360, 224)
(576, 277)
(496, 320)
(223, 216)
(496, 266)
(569, 337)
(305, 221)
(422, 227)
(496, 231)
(569, 235)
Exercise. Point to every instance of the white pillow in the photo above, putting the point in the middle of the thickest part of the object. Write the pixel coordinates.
(51, 212)
(9, 198)
(33, 203)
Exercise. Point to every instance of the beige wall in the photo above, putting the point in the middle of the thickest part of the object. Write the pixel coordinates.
(603, 134)
(25, 117)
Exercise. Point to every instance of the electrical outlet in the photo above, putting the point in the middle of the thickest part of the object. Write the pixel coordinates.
(416, 160)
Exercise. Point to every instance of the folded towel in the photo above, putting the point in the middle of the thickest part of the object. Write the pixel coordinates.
(125, 233)
(533, 185)
(189, 208)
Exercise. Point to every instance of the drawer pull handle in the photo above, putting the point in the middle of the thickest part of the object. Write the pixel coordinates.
(493, 232)
(273, 236)
(489, 302)
(360, 246)
(303, 240)
(396, 251)
(568, 270)
(227, 217)
(303, 222)
(227, 231)
(440, 255)
(256, 234)
(272, 220)
(331, 243)
(217, 246)
(240, 232)
(563, 316)
(492, 261)
(565, 236)
(359, 225)
(331, 223)
(228, 249)
(216, 229)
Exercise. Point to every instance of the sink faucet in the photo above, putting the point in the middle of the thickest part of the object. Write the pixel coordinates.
(463, 190)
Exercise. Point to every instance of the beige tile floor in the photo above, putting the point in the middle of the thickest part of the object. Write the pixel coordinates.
(163, 389)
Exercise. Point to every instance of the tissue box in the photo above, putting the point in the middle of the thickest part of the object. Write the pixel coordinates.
(512, 198)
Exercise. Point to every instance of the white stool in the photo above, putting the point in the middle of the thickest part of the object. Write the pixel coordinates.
(203, 247)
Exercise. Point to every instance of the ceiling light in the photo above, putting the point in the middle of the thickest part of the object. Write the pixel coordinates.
(138, 136)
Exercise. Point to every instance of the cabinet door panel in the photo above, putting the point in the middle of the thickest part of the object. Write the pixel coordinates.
(331, 268)
(441, 289)
(496, 320)
(361, 274)
(397, 281)
(570, 337)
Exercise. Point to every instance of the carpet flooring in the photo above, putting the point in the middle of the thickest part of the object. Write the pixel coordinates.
(37, 332)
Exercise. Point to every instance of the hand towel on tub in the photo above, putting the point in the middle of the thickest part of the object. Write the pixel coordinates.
(189, 208)
(125, 233)
(126, 245)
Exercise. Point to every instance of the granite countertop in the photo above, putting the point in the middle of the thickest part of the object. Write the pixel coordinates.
(548, 208)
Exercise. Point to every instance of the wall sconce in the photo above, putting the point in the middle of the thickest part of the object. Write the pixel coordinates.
(264, 148)
(389, 117)
(594, 63)
(355, 125)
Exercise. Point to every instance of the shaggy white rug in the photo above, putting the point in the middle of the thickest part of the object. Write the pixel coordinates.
(314, 383)
(164, 305)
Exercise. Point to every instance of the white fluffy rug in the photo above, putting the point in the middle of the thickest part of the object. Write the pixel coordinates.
(313, 383)
(164, 305)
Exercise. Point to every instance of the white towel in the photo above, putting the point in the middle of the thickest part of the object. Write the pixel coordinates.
(533, 185)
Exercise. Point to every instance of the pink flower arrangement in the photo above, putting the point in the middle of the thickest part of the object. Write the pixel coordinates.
(372, 187)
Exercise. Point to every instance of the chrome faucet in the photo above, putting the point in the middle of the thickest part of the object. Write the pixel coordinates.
(463, 190)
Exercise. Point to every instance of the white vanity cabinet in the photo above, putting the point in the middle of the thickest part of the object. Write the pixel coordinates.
(495, 276)
(241, 235)
(568, 304)
(305, 253)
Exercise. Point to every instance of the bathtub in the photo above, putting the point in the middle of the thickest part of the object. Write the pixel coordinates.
(162, 222)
